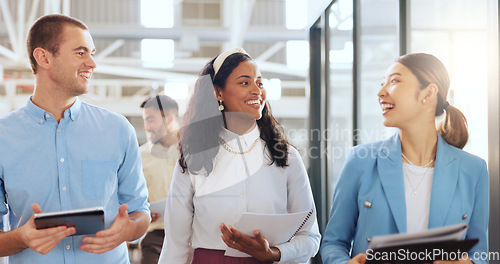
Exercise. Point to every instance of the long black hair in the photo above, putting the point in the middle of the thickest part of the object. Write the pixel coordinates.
(199, 138)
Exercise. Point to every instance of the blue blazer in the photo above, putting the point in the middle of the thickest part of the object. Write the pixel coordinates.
(373, 173)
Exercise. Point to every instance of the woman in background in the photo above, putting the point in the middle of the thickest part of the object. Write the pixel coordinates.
(416, 180)
(234, 159)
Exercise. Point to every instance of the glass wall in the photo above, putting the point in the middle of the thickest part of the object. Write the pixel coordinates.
(456, 31)
(378, 49)
(340, 88)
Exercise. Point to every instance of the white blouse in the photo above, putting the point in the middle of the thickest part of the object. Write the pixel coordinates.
(418, 187)
(197, 204)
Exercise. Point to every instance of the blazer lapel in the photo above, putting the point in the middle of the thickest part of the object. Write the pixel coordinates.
(390, 170)
(444, 183)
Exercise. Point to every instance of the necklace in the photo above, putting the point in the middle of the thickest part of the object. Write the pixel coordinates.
(228, 148)
(407, 170)
(426, 165)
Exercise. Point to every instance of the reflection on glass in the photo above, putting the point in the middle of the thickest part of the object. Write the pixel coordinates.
(457, 35)
(340, 89)
(157, 13)
(379, 48)
(296, 14)
(273, 88)
(157, 53)
(296, 133)
(297, 54)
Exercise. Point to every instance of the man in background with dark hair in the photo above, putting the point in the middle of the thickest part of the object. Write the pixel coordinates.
(59, 153)
(159, 155)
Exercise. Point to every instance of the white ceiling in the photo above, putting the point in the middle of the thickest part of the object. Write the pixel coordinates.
(256, 25)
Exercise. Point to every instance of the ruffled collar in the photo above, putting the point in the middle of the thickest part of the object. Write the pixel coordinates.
(240, 143)
(239, 157)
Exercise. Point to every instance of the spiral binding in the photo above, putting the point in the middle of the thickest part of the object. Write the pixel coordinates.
(302, 225)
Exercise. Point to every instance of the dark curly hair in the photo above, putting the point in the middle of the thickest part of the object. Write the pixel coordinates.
(199, 138)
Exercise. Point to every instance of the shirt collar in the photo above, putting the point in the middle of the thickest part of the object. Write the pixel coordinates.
(41, 116)
(159, 151)
(248, 137)
(74, 110)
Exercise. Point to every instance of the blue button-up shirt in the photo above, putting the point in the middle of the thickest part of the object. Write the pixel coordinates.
(90, 158)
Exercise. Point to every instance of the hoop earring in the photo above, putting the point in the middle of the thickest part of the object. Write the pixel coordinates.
(221, 106)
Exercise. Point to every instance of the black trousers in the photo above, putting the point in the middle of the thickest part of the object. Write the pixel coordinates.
(151, 246)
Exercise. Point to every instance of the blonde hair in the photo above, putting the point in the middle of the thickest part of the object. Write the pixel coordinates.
(429, 69)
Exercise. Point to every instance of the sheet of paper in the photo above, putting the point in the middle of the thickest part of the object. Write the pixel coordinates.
(454, 232)
(276, 228)
(158, 207)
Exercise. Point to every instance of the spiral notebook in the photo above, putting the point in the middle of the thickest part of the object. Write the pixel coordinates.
(276, 228)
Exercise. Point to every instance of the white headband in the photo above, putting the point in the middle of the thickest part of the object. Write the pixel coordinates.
(223, 56)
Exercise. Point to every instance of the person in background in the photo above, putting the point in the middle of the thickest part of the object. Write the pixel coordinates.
(159, 155)
(59, 153)
(416, 180)
(234, 159)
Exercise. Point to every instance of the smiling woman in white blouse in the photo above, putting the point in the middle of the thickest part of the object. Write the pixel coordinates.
(234, 159)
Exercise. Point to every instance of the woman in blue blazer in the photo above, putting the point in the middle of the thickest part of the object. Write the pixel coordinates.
(415, 180)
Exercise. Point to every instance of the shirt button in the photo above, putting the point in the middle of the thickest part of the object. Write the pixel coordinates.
(41, 120)
(47, 115)
(64, 188)
(68, 247)
(368, 239)
(464, 217)
(58, 130)
(367, 204)
(61, 159)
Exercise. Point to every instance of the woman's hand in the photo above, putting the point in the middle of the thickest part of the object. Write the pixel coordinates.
(257, 246)
(358, 259)
(154, 217)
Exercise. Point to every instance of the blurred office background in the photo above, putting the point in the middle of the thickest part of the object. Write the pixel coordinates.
(323, 61)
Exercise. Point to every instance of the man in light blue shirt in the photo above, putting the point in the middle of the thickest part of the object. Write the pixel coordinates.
(59, 153)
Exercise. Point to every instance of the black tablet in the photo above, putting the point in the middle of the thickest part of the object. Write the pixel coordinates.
(87, 221)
